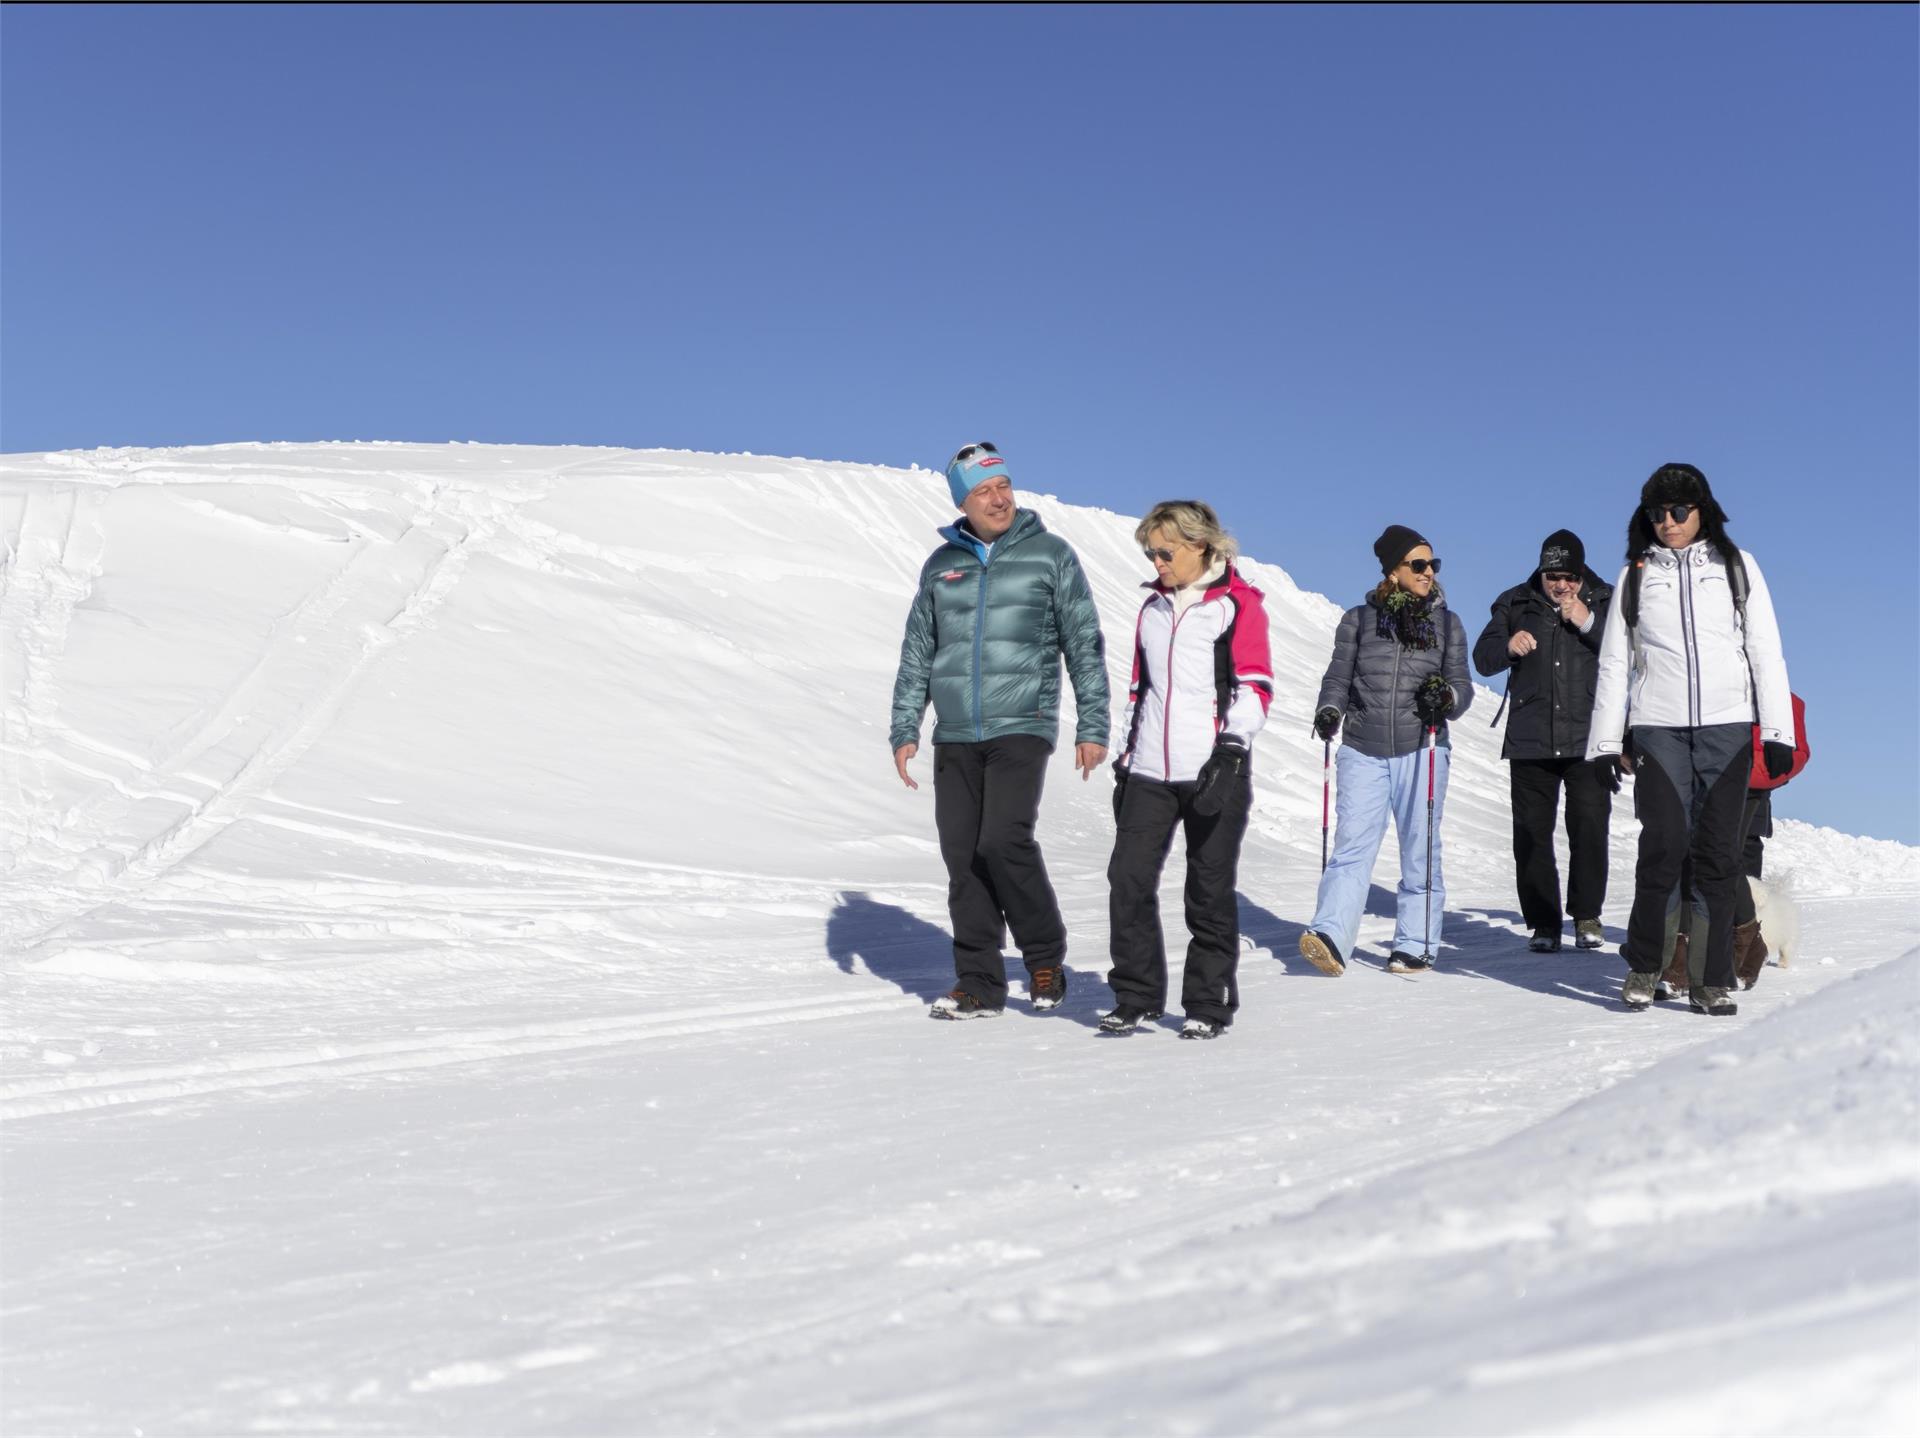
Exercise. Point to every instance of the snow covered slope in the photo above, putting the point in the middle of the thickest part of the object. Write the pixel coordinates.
(465, 952)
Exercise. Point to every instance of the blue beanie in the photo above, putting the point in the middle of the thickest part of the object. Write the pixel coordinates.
(966, 475)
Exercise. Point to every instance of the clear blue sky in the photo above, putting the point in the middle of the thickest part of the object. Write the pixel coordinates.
(1474, 270)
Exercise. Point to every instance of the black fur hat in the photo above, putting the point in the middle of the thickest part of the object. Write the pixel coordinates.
(1677, 484)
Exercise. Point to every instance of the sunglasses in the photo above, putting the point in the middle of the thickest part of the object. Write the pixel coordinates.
(1676, 512)
(1165, 556)
(1421, 566)
(968, 451)
(1560, 578)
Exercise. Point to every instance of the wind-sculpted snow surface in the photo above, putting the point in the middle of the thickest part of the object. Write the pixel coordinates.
(465, 953)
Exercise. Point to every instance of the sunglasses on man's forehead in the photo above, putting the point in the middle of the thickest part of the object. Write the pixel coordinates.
(968, 451)
(1676, 512)
(1421, 566)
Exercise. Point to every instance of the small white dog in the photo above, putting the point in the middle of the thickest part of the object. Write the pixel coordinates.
(1779, 921)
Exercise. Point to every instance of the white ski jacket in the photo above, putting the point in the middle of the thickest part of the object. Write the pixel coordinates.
(1690, 661)
(1200, 668)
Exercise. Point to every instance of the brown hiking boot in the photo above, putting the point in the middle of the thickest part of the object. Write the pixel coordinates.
(961, 1005)
(1674, 980)
(1047, 987)
(1749, 953)
(1317, 949)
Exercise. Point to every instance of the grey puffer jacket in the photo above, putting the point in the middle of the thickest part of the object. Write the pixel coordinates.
(984, 642)
(1372, 680)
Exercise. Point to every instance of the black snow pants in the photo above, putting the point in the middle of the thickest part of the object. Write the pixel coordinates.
(986, 798)
(1149, 813)
(1536, 785)
(1690, 791)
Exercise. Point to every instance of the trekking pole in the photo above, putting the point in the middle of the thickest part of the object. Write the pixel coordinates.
(1433, 740)
(1326, 791)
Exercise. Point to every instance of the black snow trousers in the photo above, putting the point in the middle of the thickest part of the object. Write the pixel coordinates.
(1536, 785)
(1759, 828)
(1690, 791)
(986, 798)
(1149, 814)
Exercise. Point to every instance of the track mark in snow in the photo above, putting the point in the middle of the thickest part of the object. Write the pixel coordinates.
(385, 593)
(51, 568)
(35, 1098)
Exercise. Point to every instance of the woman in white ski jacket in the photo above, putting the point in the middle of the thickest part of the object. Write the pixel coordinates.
(1690, 662)
(1202, 680)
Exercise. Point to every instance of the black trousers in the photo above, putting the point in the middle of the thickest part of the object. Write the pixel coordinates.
(1536, 785)
(1149, 813)
(1690, 791)
(986, 798)
(1756, 822)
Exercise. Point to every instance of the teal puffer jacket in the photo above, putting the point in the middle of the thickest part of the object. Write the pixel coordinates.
(984, 642)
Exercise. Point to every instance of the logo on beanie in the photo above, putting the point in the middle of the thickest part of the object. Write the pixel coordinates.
(1553, 557)
(988, 463)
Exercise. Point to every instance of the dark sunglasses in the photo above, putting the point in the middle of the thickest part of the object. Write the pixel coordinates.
(1558, 578)
(1676, 512)
(968, 451)
(1165, 556)
(1421, 566)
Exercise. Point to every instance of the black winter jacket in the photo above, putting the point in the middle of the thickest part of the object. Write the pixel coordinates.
(1372, 681)
(1550, 691)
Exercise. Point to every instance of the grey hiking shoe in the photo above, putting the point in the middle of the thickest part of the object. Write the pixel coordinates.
(1712, 1001)
(1127, 1017)
(1638, 990)
(1587, 934)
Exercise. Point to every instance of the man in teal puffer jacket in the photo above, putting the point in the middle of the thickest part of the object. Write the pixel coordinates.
(998, 604)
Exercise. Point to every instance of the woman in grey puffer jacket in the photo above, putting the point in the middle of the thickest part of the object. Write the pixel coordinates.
(1399, 672)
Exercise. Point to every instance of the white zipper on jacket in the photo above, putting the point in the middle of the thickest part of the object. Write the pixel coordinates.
(1689, 640)
(1166, 710)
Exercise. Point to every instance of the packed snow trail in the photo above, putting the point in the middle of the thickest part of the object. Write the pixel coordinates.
(467, 961)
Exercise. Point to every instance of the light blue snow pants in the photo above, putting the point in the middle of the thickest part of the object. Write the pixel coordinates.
(1372, 791)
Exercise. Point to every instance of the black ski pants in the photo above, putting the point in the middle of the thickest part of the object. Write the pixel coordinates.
(986, 799)
(1536, 785)
(1149, 814)
(1690, 791)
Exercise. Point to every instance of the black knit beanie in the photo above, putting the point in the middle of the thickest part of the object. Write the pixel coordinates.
(1394, 545)
(1563, 553)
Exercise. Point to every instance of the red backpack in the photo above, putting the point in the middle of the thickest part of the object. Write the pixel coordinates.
(1760, 778)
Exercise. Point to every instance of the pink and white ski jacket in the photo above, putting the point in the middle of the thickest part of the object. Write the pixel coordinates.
(1198, 671)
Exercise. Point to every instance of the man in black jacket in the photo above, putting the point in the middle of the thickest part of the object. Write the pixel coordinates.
(1545, 635)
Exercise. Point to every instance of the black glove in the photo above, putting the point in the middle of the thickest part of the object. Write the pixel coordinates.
(1327, 722)
(1222, 776)
(1119, 788)
(1779, 758)
(1433, 702)
(1608, 768)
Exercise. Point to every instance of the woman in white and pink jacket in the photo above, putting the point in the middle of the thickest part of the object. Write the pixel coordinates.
(1202, 681)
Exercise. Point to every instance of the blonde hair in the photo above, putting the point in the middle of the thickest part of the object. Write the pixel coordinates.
(1194, 521)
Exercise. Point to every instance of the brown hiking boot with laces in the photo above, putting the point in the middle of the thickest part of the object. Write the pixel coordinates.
(1047, 987)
